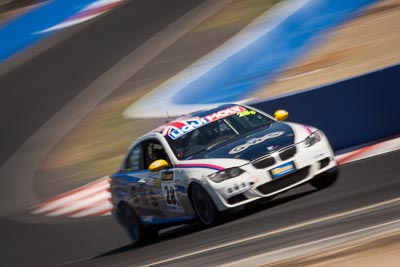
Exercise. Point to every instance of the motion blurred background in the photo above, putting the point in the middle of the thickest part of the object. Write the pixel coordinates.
(76, 94)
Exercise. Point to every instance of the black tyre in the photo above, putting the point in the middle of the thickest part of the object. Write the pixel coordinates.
(138, 233)
(325, 179)
(203, 205)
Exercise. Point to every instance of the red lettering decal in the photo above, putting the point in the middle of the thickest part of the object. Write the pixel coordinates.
(224, 113)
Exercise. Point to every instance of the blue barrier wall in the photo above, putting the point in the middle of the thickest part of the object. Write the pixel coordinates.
(350, 112)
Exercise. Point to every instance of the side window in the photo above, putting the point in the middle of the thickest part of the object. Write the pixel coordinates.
(135, 159)
(153, 150)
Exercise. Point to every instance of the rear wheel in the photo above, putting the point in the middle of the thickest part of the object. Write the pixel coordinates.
(325, 179)
(203, 205)
(138, 232)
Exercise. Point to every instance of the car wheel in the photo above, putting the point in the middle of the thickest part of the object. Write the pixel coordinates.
(203, 205)
(134, 226)
(325, 179)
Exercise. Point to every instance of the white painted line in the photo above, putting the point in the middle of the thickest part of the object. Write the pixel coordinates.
(284, 229)
(267, 258)
(299, 75)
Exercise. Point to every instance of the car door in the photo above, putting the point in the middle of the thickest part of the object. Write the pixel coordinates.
(162, 183)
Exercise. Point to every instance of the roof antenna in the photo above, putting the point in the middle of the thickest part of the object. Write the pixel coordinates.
(168, 117)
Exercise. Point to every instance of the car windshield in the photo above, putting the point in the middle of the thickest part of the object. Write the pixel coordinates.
(215, 133)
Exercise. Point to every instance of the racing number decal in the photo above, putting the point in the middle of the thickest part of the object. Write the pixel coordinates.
(171, 198)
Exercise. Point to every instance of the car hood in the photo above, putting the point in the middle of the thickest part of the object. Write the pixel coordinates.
(249, 147)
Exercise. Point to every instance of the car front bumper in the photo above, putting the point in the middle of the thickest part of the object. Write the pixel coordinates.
(259, 182)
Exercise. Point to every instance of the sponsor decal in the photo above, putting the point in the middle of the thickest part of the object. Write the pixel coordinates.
(143, 197)
(282, 170)
(169, 127)
(246, 113)
(156, 182)
(255, 141)
(272, 148)
(188, 126)
(179, 128)
(224, 113)
(156, 164)
(167, 175)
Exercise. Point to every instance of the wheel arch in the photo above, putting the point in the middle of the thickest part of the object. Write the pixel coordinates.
(191, 184)
(215, 218)
(210, 191)
(118, 208)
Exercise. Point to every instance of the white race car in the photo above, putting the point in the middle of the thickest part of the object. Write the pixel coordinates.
(213, 160)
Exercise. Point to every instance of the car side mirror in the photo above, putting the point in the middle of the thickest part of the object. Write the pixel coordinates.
(158, 165)
(281, 115)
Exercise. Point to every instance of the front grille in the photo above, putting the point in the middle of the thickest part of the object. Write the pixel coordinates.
(283, 182)
(264, 162)
(287, 153)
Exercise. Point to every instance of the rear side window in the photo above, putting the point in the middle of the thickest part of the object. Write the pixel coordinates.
(135, 159)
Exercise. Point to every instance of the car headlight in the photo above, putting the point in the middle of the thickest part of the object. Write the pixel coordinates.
(223, 175)
(312, 139)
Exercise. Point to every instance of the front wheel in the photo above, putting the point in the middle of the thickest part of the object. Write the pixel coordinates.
(325, 179)
(203, 205)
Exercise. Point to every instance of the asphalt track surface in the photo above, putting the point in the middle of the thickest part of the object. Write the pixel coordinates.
(100, 241)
